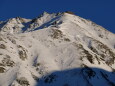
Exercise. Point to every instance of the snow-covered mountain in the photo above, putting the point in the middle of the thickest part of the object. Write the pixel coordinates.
(58, 49)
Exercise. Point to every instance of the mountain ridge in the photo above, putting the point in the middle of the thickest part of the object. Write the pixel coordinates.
(33, 49)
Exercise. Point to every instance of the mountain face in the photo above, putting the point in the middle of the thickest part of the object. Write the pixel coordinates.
(59, 49)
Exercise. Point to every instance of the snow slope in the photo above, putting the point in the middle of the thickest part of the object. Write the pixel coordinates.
(59, 49)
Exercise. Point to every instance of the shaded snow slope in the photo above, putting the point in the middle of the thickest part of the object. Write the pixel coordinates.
(59, 49)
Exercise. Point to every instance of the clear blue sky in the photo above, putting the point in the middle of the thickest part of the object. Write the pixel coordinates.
(100, 11)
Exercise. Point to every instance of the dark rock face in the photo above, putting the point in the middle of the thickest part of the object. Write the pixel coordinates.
(2, 46)
(22, 53)
(70, 12)
(2, 69)
(23, 81)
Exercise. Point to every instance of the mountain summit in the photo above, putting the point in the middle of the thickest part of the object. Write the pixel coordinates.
(58, 49)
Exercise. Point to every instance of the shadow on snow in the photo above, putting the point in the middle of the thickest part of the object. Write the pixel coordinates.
(79, 77)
